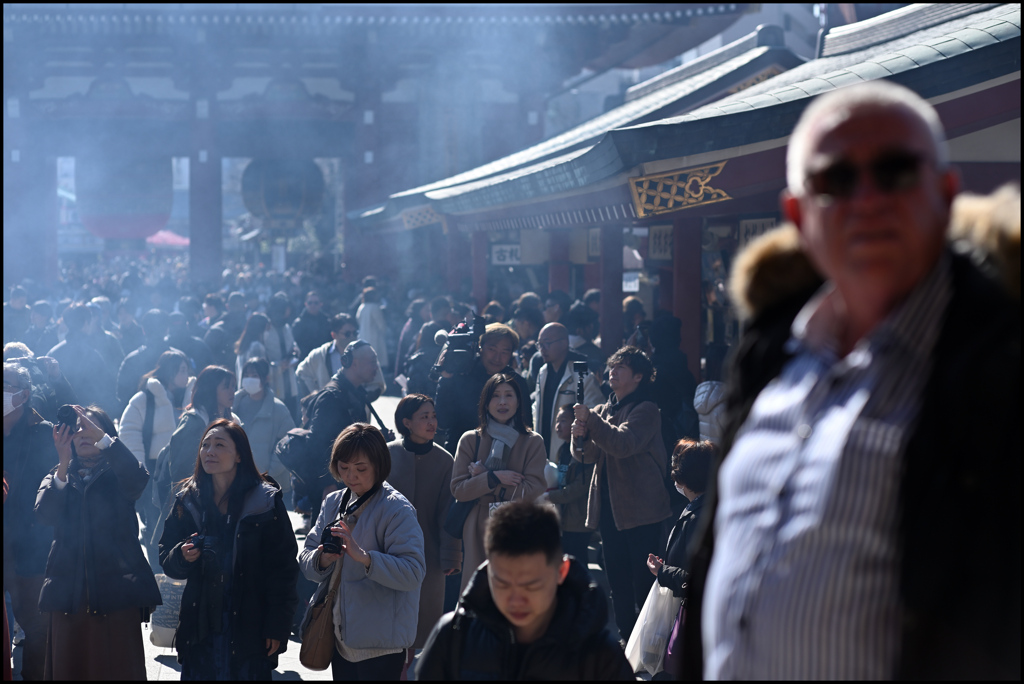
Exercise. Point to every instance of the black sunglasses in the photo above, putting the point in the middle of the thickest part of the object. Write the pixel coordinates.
(891, 172)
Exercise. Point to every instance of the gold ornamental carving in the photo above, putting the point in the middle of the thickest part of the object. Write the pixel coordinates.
(665, 192)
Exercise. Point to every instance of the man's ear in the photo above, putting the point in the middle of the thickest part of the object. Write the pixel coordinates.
(790, 206)
(563, 569)
(950, 184)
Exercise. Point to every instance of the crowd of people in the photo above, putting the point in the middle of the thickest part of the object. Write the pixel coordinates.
(786, 510)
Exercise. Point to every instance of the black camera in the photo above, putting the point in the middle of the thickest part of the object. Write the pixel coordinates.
(330, 543)
(460, 347)
(205, 543)
(66, 416)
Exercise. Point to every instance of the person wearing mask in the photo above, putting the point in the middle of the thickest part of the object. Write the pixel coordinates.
(458, 395)
(571, 493)
(29, 454)
(250, 344)
(154, 325)
(691, 463)
(83, 366)
(416, 315)
(339, 404)
(312, 328)
(529, 613)
(377, 566)
(500, 461)
(556, 384)
(213, 394)
(41, 335)
(99, 588)
(282, 353)
(627, 500)
(179, 337)
(422, 472)
(229, 538)
(265, 418)
(372, 326)
(148, 423)
(16, 315)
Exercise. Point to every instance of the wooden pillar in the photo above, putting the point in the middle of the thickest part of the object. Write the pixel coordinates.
(558, 264)
(611, 288)
(479, 258)
(686, 286)
(458, 269)
(205, 202)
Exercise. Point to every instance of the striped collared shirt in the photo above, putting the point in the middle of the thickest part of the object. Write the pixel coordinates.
(804, 583)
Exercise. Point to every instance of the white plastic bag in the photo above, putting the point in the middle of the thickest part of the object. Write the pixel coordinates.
(164, 621)
(645, 649)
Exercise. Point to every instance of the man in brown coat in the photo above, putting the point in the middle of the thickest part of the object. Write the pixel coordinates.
(627, 499)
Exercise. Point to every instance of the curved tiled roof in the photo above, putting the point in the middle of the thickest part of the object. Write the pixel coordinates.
(769, 110)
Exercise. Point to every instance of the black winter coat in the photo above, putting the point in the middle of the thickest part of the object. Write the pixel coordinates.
(960, 574)
(265, 570)
(29, 455)
(477, 642)
(675, 573)
(96, 559)
(458, 402)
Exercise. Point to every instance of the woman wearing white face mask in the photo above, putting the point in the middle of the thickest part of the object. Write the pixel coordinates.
(265, 418)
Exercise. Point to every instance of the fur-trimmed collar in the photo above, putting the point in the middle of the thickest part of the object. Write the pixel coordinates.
(773, 268)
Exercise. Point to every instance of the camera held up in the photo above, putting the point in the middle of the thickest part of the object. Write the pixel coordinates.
(461, 347)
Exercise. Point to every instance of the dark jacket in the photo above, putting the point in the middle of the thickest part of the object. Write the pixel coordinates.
(96, 560)
(477, 641)
(41, 340)
(134, 366)
(86, 371)
(458, 402)
(29, 455)
(310, 331)
(197, 351)
(265, 570)
(967, 627)
(675, 573)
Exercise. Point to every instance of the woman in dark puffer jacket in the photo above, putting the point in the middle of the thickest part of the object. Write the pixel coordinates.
(98, 586)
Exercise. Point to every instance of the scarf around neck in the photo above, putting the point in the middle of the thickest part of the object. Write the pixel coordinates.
(504, 438)
(418, 449)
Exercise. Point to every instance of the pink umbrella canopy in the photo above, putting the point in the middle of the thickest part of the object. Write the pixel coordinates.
(167, 238)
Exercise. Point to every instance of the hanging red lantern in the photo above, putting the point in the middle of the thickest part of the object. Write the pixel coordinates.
(284, 191)
(121, 197)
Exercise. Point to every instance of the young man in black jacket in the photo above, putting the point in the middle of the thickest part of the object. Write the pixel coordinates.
(529, 613)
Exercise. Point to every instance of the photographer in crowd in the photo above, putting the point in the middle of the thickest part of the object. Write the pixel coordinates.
(458, 393)
(98, 588)
(229, 537)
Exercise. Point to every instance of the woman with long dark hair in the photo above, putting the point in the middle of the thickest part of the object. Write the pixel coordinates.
(500, 461)
(98, 587)
(212, 397)
(229, 537)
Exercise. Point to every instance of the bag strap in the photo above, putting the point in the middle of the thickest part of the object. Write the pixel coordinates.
(147, 424)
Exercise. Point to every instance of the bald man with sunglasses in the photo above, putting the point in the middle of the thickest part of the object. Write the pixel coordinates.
(877, 380)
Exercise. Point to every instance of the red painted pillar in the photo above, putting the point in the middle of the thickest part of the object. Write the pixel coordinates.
(558, 265)
(686, 286)
(480, 259)
(611, 289)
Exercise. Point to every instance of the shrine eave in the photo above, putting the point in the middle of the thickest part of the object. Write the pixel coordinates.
(949, 51)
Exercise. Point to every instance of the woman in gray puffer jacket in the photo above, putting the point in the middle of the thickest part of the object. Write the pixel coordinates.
(379, 556)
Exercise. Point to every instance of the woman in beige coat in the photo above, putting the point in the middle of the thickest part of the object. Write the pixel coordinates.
(502, 460)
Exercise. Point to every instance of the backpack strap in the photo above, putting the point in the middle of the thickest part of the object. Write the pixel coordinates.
(147, 424)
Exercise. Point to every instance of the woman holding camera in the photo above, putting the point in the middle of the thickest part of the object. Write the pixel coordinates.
(228, 535)
(368, 543)
(98, 587)
(502, 460)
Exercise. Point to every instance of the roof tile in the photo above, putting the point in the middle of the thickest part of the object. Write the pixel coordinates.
(869, 71)
(949, 46)
(973, 37)
(1005, 30)
(895, 63)
(921, 54)
(843, 78)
